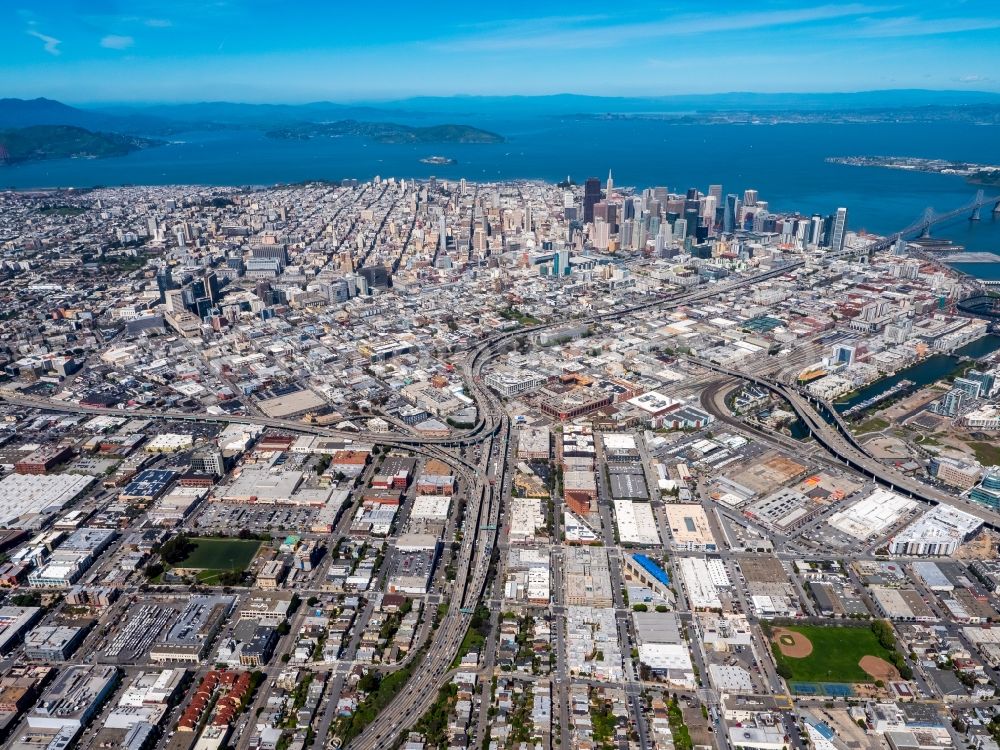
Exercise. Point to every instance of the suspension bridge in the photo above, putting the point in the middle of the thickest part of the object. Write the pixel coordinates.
(922, 226)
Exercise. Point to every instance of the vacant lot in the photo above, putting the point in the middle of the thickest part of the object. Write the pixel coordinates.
(835, 656)
(988, 454)
(871, 425)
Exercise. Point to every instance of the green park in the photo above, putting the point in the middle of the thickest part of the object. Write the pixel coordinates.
(214, 560)
(833, 653)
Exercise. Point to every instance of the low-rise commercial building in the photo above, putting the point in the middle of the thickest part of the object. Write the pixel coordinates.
(14, 623)
(689, 528)
(52, 642)
(188, 639)
(937, 533)
(73, 698)
(586, 577)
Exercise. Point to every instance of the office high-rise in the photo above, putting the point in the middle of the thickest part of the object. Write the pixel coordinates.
(602, 234)
(442, 234)
(211, 286)
(816, 230)
(680, 229)
(691, 218)
(203, 307)
(692, 209)
(730, 215)
(827, 231)
(839, 230)
(591, 196)
(164, 281)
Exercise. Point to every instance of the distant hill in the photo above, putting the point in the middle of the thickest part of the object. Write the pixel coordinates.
(165, 119)
(389, 132)
(246, 115)
(557, 104)
(989, 177)
(22, 113)
(39, 142)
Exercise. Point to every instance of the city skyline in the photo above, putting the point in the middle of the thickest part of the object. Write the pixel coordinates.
(259, 51)
(490, 377)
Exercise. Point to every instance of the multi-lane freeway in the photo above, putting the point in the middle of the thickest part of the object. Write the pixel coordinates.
(485, 481)
(833, 434)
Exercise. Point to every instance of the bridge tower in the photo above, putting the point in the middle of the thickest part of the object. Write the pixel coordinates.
(977, 205)
(928, 219)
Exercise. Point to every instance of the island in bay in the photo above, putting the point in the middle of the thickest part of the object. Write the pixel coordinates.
(387, 132)
(977, 174)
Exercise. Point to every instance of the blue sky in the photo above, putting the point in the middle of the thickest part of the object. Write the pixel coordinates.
(301, 50)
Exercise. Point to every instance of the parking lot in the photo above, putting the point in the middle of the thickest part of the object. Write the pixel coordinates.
(227, 517)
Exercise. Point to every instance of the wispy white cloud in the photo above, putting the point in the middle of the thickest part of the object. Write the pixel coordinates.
(49, 43)
(159, 23)
(903, 26)
(537, 22)
(571, 33)
(117, 41)
(973, 79)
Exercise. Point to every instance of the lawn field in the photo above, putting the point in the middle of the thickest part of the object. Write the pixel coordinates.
(835, 654)
(213, 556)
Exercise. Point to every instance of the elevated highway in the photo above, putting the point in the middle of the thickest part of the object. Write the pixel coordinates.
(833, 434)
(485, 480)
(485, 483)
(493, 430)
(488, 405)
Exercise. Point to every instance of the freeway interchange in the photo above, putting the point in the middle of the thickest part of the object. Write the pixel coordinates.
(832, 433)
(486, 480)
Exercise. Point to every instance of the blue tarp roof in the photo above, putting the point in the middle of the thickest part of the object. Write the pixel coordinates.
(652, 568)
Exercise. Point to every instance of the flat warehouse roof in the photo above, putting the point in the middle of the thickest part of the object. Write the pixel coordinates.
(27, 494)
(689, 524)
(629, 486)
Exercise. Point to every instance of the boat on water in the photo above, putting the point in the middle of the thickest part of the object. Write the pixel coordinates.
(438, 160)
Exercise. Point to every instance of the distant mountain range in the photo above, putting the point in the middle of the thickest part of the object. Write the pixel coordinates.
(169, 118)
(46, 129)
(557, 104)
(22, 113)
(431, 119)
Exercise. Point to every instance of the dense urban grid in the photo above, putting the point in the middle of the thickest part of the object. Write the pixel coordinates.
(427, 464)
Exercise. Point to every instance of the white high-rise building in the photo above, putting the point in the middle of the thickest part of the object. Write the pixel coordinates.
(602, 234)
(442, 234)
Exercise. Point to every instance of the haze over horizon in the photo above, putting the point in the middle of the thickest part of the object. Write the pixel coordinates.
(262, 51)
